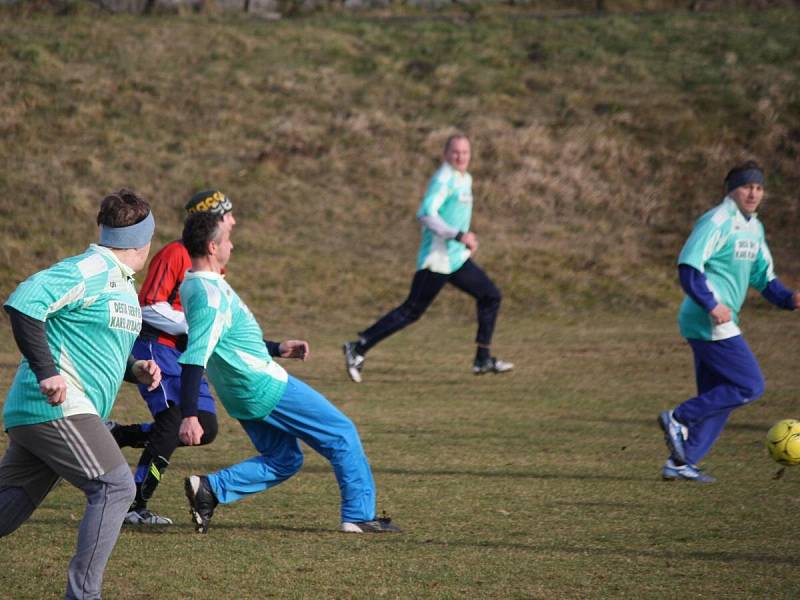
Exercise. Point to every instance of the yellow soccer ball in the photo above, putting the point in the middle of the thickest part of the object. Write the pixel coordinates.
(783, 442)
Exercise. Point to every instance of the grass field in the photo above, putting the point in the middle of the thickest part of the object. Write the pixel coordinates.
(543, 483)
(598, 140)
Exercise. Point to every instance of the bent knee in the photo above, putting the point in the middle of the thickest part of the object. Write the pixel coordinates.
(492, 298)
(287, 466)
(208, 437)
(347, 438)
(15, 508)
(120, 481)
(411, 313)
(210, 429)
(753, 390)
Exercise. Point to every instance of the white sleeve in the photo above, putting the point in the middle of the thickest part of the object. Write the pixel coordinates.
(438, 226)
(162, 316)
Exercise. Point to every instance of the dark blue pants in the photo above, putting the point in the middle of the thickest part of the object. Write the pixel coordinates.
(425, 286)
(728, 376)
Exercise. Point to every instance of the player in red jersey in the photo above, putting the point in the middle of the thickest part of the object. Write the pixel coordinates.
(163, 338)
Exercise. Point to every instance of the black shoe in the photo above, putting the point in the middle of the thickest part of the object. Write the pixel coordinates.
(382, 525)
(353, 361)
(201, 501)
(128, 436)
(491, 365)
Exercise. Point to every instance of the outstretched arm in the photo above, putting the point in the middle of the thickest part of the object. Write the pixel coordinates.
(779, 295)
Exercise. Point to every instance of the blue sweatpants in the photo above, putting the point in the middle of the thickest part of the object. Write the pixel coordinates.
(302, 414)
(728, 376)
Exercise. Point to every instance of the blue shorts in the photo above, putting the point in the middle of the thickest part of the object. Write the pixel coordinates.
(170, 388)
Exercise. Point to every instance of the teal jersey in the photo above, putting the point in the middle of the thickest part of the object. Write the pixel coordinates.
(732, 252)
(225, 338)
(449, 196)
(92, 317)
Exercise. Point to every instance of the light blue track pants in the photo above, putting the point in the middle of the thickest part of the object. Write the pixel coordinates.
(302, 414)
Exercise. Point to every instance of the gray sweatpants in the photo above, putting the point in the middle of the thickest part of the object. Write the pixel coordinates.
(81, 450)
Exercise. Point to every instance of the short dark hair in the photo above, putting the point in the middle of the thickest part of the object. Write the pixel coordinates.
(200, 229)
(122, 209)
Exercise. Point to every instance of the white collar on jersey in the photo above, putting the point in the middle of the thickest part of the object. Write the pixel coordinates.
(204, 275)
(108, 253)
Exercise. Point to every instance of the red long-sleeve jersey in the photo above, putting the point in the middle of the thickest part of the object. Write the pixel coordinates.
(164, 277)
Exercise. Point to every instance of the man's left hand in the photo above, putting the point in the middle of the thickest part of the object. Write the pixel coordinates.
(190, 432)
(148, 373)
(294, 349)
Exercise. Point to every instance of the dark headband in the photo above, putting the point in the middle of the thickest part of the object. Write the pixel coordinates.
(743, 177)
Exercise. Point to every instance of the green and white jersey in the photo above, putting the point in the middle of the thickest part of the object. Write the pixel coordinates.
(225, 338)
(92, 317)
(732, 252)
(449, 196)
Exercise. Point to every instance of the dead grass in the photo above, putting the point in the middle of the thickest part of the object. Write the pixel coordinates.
(597, 142)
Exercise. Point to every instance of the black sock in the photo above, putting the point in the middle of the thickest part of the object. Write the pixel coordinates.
(130, 436)
(139, 503)
(482, 355)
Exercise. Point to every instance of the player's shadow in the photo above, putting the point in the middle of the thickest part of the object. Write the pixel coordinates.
(477, 473)
(652, 423)
(715, 556)
(418, 537)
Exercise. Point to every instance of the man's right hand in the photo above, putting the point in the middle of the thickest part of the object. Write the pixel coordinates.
(54, 388)
(720, 314)
(470, 240)
(190, 431)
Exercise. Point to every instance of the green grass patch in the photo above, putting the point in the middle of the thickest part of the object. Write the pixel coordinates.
(542, 483)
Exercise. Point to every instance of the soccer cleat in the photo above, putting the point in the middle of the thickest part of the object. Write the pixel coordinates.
(381, 525)
(133, 436)
(674, 434)
(145, 517)
(201, 501)
(673, 472)
(353, 361)
(491, 365)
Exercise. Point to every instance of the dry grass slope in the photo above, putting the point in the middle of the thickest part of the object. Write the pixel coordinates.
(597, 142)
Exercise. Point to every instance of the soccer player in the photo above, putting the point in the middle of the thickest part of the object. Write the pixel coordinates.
(444, 257)
(75, 324)
(162, 339)
(274, 408)
(725, 254)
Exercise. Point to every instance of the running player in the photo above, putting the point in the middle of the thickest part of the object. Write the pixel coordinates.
(444, 257)
(725, 254)
(75, 324)
(162, 339)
